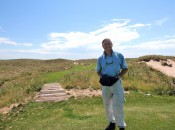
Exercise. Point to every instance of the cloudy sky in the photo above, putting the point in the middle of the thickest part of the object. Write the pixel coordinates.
(74, 29)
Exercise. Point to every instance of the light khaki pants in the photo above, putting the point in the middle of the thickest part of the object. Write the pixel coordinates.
(113, 100)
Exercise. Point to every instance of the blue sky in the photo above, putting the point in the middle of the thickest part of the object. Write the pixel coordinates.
(74, 29)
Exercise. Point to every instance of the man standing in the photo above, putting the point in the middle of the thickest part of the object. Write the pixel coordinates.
(112, 64)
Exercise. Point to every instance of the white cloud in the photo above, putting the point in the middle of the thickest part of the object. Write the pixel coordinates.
(10, 42)
(153, 45)
(167, 36)
(82, 45)
(161, 21)
(35, 51)
(158, 47)
(118, 30)
(139, 25)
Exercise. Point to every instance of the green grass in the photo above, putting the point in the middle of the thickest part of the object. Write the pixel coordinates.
(139, 77)
(55, 76)
(22, 87)
(141, 113)
(20, 79)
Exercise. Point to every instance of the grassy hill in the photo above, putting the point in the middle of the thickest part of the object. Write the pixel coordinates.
(20, 79)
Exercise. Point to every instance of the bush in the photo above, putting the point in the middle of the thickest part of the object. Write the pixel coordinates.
(165, 63)
(147, 58)
(35, 86)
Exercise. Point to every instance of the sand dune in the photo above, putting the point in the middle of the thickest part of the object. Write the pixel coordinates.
(170, 71)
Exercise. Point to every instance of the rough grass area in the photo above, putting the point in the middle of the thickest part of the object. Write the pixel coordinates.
(21, 79)
(142, 112)
(139, 77)
(155, 58)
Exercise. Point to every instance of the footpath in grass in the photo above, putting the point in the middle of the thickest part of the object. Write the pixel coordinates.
(55, 76)
(142, 112)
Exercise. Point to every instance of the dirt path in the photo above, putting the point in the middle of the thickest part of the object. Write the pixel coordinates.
(76, 93)
(54, 93)
(170, 71)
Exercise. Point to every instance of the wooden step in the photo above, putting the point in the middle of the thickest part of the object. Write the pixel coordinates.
(49, 99)
(51, 93)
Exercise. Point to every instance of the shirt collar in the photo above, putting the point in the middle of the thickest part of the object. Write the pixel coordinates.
(105, 55)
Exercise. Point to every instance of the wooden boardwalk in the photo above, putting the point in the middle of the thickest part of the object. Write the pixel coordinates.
(51, 93)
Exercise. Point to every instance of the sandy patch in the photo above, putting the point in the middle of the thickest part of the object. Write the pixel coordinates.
(78, 93)
(170, 71)
(6, 110)
(72, 93)
(83, 93)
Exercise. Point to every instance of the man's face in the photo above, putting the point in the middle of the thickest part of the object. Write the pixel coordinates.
(107, 45)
